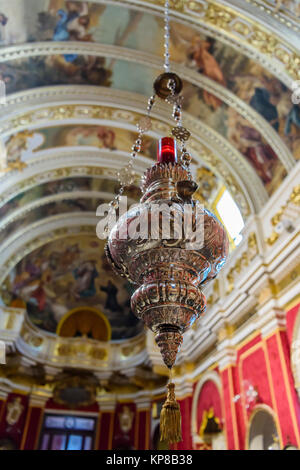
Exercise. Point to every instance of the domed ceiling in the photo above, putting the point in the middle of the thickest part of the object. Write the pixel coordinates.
(77, 78)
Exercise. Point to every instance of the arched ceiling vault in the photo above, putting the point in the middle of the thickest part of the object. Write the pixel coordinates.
(33, 100)
(238, 60)
(156, 63)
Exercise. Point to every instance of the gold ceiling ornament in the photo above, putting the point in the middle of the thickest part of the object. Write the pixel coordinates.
(134, 348)
(167, 269)
(85, 350)
(293, 200)
(226, 332)
(31, 337)
(243, 261)
(215, 295)
(287, 9)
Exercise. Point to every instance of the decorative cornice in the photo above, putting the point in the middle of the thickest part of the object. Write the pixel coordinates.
(277, 16)
(106, 404)
(270, 318)
(4, 391)
(39, 398)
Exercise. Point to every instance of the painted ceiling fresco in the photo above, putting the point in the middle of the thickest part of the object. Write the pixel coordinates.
(67, 185)
(41, 71)
(68, 274)
(56, 20)
(73, 272)
(65, 206)
(102, 137)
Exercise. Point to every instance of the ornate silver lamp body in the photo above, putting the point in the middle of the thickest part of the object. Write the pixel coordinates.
(168, 271)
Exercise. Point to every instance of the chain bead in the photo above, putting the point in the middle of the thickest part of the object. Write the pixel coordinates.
(151, 101)
(186, 158)
(137, 146)
(144, 124)
(114, 203)
(125, 176)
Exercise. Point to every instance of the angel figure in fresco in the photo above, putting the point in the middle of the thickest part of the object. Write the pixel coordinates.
(82, 136)
(111, 300)
(292, 119)
(30, 284)
(68, 256)
(261, 102)
(72, 25)
(3, 21)
(85, 275)
(107, 137)
(292, 129)
(206, 63)
(260, 155)
(15, 145)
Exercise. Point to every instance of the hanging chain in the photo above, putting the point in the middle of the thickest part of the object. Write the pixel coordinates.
(167, 38)
(126, 175)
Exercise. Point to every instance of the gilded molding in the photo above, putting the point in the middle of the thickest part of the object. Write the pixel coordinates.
(282, 16)
(292, 201)
(242, 261)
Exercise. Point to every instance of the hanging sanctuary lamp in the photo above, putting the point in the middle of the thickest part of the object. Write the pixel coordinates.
(168, 274)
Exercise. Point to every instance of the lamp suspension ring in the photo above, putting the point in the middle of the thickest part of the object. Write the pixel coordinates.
(162, 85)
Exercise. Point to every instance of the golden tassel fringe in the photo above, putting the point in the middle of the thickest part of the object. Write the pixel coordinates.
(170, 418)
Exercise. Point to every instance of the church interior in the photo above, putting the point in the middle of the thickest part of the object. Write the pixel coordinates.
(79, 369)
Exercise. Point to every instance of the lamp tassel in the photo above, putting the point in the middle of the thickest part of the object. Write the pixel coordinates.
(170, 418)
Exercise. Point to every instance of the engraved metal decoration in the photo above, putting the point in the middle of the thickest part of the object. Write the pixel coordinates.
(181, 133)
(169, 276)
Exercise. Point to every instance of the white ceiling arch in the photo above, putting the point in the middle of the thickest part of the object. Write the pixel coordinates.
(227, 158)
